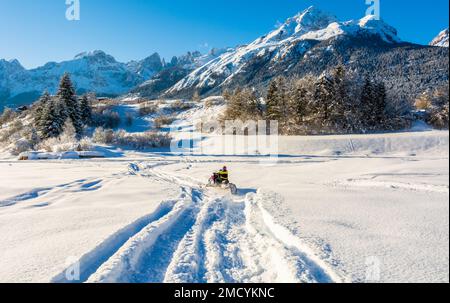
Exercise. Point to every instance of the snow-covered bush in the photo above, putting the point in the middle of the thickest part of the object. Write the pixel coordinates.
(180, 105)
(147, 108)
(103, 136)
(138, 141)
(58, 145)
(214, 101)
(21, 146)
(439, 118)
(7, 116)
(13, 130)
(435, 104)
(85, 144)
(141, 141)
(161, 121)
(67, 141)
(106, 119)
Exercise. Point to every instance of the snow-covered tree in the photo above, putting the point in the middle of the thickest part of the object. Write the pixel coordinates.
(367, 104)
(321, 107)
(380, 104)
(49, 125)
(66, 95)
(242, 104)
(39, 108)
(86, 110)
(277, 108)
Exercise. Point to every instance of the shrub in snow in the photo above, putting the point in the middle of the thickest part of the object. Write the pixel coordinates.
(85, 144)
(141, 141)
(13, 130)
(7, 116)
(147, 108)
(439, 118)
(161, 121)
(179, 106)
(214, 101)
(137, 141)
(21, 146)
(103, 136)
(67, 141)
(106, 119)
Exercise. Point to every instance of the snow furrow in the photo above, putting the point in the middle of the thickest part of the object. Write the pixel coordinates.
(187, 263)
(321, 271)
(206, 237)
(424, 187)
(91, 262)
(128, 263)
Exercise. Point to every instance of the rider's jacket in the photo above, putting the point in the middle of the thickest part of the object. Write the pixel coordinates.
(223, 174)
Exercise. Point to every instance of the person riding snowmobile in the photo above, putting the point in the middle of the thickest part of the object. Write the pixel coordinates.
(221, 179)
(222, 176)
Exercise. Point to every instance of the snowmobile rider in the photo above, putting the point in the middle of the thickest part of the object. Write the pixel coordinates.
(222, 175)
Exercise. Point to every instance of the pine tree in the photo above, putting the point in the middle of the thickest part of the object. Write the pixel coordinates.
(367, 101)
(234, 105)
(276, 104)
(380, 105)
(49, 126)
(271, 101)
(252, 106)
(66, 95)
(86, 110)
(321, 109)
(299, 103)
(339, 109)
(40, 106)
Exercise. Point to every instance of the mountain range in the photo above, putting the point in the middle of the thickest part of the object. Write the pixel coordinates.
(309, 43)
(90, 71)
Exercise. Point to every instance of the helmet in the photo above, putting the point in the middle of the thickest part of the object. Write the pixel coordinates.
(225, 168)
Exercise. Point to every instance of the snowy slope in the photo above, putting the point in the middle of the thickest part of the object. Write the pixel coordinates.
(311, 24)
(441, 40)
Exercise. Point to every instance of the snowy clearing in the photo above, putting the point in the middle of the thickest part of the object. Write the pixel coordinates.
(148, 217)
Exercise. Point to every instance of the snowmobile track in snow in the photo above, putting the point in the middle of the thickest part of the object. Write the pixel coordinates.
(203, 237)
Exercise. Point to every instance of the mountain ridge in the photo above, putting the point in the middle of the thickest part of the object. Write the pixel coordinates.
(310, 42)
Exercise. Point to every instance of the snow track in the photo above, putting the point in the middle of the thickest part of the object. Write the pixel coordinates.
(203, 237)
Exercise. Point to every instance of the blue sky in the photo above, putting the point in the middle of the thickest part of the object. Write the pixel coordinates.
(36, 31)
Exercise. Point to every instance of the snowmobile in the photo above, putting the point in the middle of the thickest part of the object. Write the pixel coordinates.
(215, 181)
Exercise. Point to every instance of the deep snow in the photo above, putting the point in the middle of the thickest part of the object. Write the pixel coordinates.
(353, 208)
(147, 218)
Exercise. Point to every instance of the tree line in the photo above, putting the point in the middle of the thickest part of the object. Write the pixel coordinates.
(330, 104)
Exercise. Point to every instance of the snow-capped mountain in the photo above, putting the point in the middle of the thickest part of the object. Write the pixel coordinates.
(177, 69)
(441, 40)
(148, 67)
(90, 71)
(309, 43)
(298, 34)
(96, 71)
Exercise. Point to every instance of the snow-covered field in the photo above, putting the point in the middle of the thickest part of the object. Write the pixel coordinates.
(354, 208)
(316, 217)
